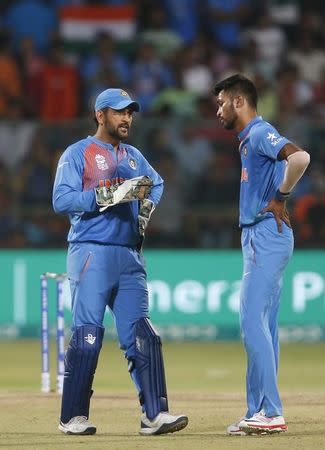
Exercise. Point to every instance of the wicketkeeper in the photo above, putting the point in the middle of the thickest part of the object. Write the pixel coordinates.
(109, 191)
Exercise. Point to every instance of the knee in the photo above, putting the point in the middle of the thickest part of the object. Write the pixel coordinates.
(140, 333)
(87, 339)
(255, 335)
(144, 330)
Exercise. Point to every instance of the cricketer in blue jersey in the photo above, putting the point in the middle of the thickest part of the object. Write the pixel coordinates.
(109, 191)
(271, 167)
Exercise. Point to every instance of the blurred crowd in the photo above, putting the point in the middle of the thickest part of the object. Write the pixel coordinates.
(172, 56)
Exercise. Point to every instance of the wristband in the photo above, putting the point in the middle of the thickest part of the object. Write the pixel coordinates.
(281, 196)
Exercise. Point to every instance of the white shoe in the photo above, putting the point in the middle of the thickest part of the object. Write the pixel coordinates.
(234, 430)
(162, 424)
(77, 425)
(259, 423)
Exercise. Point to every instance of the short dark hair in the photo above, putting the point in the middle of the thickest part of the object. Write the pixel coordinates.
(238, 84)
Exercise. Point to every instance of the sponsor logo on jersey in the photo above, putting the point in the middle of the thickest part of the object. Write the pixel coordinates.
(101, 162)
(90, 339)
(132, 163)
(244, 175)
(274, 139)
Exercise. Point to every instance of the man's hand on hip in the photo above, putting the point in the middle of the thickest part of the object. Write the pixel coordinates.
(279, 209)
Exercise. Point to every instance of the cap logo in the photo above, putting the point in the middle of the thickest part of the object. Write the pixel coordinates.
(125, 94)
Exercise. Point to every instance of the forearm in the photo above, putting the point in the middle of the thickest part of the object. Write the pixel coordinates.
(156, 192)
(296, 166)
(74, 201)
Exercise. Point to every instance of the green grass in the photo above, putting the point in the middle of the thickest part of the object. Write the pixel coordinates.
(205, 381)
(190, 367)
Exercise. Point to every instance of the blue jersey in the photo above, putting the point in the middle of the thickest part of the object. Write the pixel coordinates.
(262, 174)
(88, 164)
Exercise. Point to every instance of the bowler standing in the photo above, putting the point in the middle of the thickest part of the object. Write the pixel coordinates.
(271, 167)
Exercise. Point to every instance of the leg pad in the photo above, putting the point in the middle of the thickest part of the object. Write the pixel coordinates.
(80, 365)
(149, 367)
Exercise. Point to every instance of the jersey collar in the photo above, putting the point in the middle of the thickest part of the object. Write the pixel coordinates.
(105, 144)
(245, 132)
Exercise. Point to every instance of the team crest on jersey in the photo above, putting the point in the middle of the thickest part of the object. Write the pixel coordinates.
(101, 162)
(132, 163)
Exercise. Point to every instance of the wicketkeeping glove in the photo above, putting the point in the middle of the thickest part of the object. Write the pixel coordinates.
(137, 188)
(146, 208)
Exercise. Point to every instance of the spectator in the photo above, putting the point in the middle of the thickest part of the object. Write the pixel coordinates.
(34, 178)
(224, 19)
(270, 41)
(16, 135)
(6, 218)
(167, 221)
(319, 98)
(209, 226)
(220, 60)
(218, 182)
(309, 59)
(192, 151)
(59, 3)
(175, 101)
(253, 63)
(294, 93)
(36, 229)
(149, 75)
(309, 212)
(196, 75)
(205, 109)
(158, 33)
(103, 67)
(183, 17)
(31, 64)
(33, 18)
(10, 82)
(158, 143)
(59, 87)
(268, 101)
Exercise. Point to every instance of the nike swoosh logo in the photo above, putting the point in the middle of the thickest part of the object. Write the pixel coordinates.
(62, 164)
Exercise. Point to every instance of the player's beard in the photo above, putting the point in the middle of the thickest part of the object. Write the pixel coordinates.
(116, 133)
(230, 122)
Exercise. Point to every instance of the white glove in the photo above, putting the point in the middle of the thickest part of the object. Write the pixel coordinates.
(137, 188)
(146, 208)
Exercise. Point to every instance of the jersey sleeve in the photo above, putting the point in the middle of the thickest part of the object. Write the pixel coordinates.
(268, 142)
(68, 194)
(158, 182)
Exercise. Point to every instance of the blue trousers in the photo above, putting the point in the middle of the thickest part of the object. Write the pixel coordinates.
(108, 275)
(266, 253)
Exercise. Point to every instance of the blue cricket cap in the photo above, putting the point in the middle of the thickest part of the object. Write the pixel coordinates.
(115, 99)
